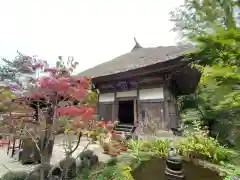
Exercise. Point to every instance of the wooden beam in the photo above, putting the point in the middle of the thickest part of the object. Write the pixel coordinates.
(114, 107)
(134, 83)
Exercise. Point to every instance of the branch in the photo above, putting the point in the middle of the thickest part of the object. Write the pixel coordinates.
(78, 142)
(34, 140)
(83, 149)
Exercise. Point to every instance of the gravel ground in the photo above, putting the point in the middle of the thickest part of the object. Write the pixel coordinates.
(7, 163)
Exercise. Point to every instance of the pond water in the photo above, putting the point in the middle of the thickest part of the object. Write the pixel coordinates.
(154, 170)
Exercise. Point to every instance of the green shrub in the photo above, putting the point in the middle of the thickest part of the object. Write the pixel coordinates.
(18, 175)
(193, 145)
(156, 147)
(198, 145)
(113, 169)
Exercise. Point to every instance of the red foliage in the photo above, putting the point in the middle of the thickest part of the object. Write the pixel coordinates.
(101, 124)
(50, 70)
(85, 112)
(124, 149)
(78, 124)
(109, 125)
(60, 86)
(116, 135)
(36, 95)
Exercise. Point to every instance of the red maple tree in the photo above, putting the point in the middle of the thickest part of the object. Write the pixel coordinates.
(60, 94)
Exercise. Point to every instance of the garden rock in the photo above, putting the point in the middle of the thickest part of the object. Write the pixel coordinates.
(56, 171)
(69, 168)
(88, 153)
(90, 156)
(88, 159)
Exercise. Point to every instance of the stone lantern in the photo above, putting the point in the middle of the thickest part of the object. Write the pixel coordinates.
(174, 166)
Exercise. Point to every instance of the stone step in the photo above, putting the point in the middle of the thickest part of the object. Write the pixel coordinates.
(127, 135)
(125, 125)
(123, 129)
(123, 132)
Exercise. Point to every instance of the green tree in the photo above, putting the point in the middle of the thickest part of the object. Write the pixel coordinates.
(201, 17)
(22, 69)
(217, 40)
(5, 100)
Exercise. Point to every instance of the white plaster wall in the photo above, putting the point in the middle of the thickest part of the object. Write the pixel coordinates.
(108, 97)
(155, 93)
(127, 94)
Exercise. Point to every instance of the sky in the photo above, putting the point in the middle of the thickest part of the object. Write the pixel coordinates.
(93, 31)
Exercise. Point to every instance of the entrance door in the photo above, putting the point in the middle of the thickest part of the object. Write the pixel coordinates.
(127, 112)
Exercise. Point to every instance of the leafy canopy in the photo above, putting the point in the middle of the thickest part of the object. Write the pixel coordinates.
(211, 26)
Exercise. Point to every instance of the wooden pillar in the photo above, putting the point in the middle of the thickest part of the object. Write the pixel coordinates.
(167, 99)
(135, 111)
(97, 106)
(165, 104)
(138, 107)
(171, 108)
(114, 115)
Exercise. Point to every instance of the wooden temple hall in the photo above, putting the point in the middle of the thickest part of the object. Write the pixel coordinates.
(139, 89)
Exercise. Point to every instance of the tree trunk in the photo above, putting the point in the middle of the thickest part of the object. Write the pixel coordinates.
(47, 138)
(46, 142)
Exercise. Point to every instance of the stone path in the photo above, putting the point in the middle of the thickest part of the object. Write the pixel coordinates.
(7, 163)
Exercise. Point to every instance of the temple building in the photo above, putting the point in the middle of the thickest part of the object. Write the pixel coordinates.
(140, 88)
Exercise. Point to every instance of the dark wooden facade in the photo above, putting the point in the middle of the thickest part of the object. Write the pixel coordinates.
(161, 86)
(151, 78)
